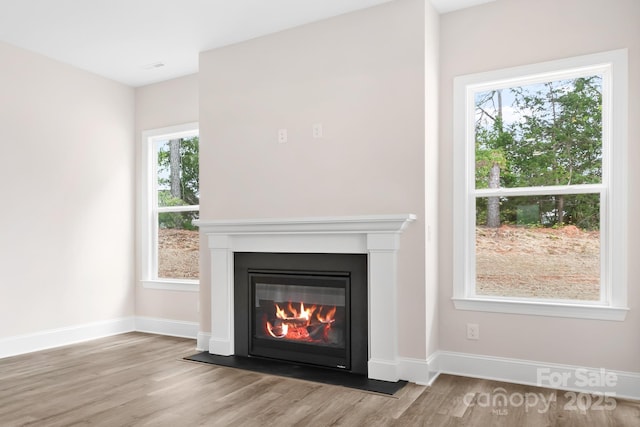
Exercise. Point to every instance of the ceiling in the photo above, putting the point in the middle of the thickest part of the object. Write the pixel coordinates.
(138, 42)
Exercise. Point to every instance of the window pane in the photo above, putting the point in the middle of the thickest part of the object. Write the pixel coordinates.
(539, 134)
(178, 246)
(178, 182)
(537, 252)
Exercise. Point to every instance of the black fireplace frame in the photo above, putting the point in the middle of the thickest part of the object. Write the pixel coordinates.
(349, 267)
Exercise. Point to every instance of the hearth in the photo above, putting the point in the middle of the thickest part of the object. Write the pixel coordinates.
(302, 308)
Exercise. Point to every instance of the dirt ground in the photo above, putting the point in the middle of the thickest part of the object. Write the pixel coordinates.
(178, 256)
(559, 263)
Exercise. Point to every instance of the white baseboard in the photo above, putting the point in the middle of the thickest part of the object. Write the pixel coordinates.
(21, 344)
(203, 339)
(51, 338)
(174, 328)
(414, 370)
(384, 370)
(563, 377)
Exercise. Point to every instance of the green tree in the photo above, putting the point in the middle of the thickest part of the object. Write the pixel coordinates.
(560, 141)
(491, 140)
(553, 137)
(178, 180)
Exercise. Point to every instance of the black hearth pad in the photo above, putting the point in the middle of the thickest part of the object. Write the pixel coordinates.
(301, 372)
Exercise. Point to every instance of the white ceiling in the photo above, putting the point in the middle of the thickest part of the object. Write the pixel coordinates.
(124, 39)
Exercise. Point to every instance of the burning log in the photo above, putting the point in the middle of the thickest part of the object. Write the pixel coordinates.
(296, 322)
(277, 330)
(318, 331)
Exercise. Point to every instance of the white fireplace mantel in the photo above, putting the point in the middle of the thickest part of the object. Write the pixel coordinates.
(377, 236)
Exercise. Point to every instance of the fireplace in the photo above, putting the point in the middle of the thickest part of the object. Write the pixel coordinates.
(302, 308)
(376, 237)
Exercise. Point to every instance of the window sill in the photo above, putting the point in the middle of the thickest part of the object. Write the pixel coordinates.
(172, 285)
(542, 308)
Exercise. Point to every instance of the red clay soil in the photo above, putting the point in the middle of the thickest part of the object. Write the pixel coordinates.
(178, 254)
(561, 263)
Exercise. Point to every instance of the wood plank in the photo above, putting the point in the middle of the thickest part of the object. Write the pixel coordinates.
(141, 380)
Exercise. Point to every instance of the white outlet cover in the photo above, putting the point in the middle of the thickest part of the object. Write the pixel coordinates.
(317, 130)
(473, 331)
(282, 135)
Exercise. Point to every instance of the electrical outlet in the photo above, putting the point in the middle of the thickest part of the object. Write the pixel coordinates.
(282, 135)
(473, 331)
(317, 130)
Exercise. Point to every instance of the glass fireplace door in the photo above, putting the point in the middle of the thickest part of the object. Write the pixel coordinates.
(301, 318)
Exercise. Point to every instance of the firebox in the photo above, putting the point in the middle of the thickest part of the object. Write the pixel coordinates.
(302, 308)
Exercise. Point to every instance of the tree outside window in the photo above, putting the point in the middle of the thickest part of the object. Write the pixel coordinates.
(542, 141)
(176, 206)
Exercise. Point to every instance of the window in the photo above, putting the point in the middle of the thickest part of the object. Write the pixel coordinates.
(540, 188)
(170, 199)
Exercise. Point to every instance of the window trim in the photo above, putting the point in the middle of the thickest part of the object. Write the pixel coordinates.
(147, 211)
(613, 190)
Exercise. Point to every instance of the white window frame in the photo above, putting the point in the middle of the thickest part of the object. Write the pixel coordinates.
(149, 210)
(613, 302)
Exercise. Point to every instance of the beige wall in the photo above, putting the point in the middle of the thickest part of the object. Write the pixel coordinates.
(168, 103)
(362, 76)
(431, 178)
(516, 32)
(67, 217)
(159, 105)
(371, 78)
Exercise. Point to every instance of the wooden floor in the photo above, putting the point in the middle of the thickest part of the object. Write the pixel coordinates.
(140, 380)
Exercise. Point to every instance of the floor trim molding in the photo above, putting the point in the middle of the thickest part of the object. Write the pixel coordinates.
(42, 340)
(414, 370)
(202, 341)
(51, 338)
(563, 377)
(174, 328)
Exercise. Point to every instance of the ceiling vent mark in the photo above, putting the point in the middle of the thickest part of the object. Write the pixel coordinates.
(153, 65)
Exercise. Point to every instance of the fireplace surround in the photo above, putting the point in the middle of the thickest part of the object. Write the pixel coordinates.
(302, 308)
(376, 236)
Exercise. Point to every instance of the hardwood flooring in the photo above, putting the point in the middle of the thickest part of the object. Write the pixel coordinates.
(141, 380)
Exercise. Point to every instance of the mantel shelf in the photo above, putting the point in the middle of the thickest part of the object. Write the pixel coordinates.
(312, 225)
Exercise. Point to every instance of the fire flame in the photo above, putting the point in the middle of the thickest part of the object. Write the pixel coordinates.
(303, 313)
(298, 323)
(328, 318)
